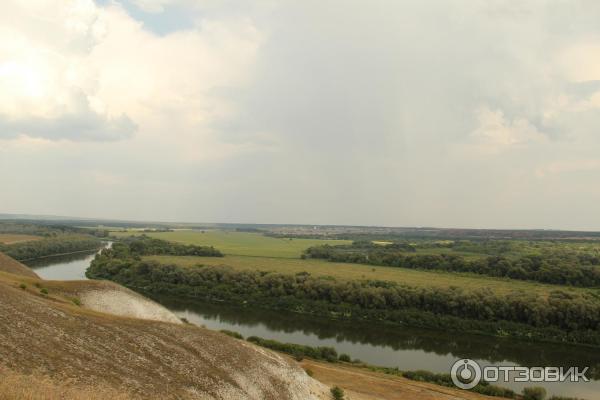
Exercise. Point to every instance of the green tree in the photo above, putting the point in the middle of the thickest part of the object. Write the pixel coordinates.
(337, 393)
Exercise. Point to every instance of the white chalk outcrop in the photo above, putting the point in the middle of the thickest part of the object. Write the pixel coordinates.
(126, 304)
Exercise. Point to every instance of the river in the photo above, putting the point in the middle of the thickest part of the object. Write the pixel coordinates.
(407, 349)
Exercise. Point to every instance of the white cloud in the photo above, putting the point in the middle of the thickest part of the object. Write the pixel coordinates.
(495, 132)
(580, 61)
(73, 70)
(568, 166)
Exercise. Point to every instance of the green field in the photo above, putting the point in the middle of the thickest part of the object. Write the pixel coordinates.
(239, 243)
(342, 271)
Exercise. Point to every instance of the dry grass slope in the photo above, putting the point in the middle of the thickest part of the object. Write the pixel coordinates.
(15, 386)
(12, 266)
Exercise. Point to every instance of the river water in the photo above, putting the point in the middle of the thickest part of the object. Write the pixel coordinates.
(407, 349)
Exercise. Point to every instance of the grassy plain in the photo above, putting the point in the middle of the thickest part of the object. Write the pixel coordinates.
(10, 238)
(238, 243)
(343, 271)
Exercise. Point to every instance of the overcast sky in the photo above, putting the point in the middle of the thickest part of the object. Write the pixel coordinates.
(399, 113)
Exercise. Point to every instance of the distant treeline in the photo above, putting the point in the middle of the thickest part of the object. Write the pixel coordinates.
(61, 244)
(558, 267)
(47, 229)
(381, 233)
(559, 316)
(145, 246)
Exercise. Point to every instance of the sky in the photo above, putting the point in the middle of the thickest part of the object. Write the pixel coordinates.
(473, 114)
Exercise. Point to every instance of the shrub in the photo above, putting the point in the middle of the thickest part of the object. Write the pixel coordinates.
(76, 301)
(232, 334)
(534, 393)
(44, 291)
(23, 286)
(345, 358)
(337, 393)
(297, 350)
(184, 320)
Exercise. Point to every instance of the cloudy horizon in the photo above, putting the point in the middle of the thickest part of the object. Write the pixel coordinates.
(469, 114)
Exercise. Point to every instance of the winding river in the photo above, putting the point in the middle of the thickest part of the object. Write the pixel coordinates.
(407, 349)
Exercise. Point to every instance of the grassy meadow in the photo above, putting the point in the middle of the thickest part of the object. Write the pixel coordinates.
(238, 243)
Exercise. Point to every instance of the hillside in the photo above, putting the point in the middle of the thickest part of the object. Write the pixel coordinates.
(49, 336)
(12, 266)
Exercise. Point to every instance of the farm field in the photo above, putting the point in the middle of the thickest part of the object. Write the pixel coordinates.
(10, 238)
(238, 243)
(343, 271)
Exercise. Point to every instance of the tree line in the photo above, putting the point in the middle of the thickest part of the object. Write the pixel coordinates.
(145, 246)
(562, 268)
(47, 229)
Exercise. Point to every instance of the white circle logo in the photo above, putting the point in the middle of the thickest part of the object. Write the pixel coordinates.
(465, 373)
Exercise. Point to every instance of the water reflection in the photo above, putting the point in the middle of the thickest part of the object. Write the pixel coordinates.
(65, 267)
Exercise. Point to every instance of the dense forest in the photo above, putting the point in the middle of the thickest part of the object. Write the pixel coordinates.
(53, 245)
(144, 246)
(556, 266)
(559, 316)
